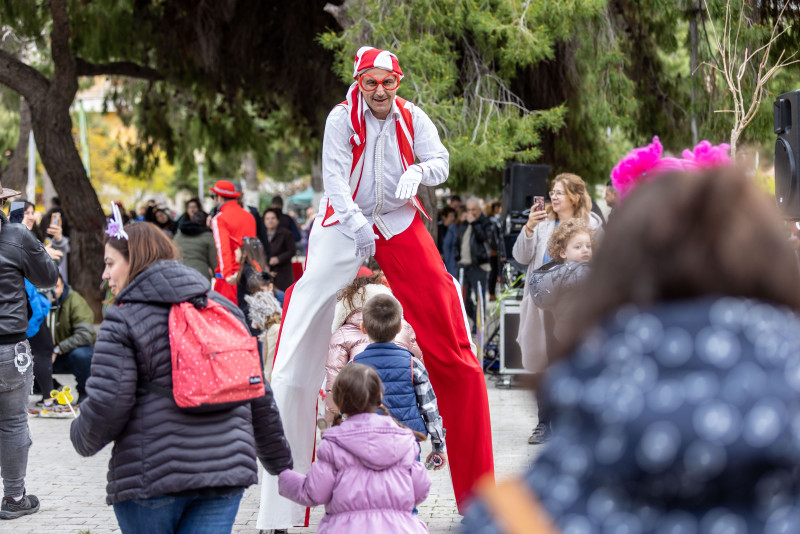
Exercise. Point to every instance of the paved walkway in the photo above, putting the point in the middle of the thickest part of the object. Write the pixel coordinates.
(72, 489)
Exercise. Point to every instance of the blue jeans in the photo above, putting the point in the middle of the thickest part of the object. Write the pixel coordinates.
(78, 362)
(15, 438)
(179, 515)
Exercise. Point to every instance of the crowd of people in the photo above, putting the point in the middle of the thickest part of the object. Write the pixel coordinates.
(668, 333)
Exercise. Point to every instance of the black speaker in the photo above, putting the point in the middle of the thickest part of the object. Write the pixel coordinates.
(510, 353)
(786, 118)
(522, 182)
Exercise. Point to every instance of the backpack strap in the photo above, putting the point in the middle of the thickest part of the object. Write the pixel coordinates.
(515, 508)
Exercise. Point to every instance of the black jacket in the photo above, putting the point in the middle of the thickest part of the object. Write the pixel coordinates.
(159, 448)
(479, 241)
(261, 230)
(282, 247)
(21, 256)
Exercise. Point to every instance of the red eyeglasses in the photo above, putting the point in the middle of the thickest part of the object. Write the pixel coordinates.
(370, 83)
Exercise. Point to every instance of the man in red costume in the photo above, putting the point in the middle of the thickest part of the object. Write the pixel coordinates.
(371, 143)
(230, 226)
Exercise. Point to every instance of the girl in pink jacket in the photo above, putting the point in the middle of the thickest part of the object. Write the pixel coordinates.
(366, 472)
(348, 340)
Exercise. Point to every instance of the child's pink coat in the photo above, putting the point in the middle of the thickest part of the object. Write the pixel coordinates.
(367, 476)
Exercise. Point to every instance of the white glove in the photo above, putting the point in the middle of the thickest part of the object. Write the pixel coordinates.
(409, 183)
(365, 241)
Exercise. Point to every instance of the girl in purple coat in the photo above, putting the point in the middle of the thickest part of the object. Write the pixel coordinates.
(366, 473)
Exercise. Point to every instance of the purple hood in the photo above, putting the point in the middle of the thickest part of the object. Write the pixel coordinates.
(374, 440)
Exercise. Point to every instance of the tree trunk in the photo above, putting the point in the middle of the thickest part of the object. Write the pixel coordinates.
(316, 175)
(427, 195)
(250, 171)
(250, 179)
(14, 175)
(52, 127)
(734, 138)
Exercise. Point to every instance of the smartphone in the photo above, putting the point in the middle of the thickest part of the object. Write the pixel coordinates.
(16, 212)
(538, 203)
(55, 219)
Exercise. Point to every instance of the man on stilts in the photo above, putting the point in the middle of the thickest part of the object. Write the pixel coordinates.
(370, 144)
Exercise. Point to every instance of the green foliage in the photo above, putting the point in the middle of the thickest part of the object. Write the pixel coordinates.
(9, 123)
(459, 58)
(571, 83)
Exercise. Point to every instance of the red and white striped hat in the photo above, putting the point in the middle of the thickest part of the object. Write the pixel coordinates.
(368, 57)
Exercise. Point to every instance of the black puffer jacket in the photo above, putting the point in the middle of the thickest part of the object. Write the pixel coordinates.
(21, 256)
(157, 447)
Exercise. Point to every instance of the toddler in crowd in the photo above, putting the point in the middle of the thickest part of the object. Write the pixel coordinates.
(552, 286)
(348, 339)
(264, 314)
(408, 397)
(366, 472)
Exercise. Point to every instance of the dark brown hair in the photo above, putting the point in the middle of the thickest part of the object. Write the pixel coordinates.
(274, 211)
(357, 389)
(383, 317)
(357, 287)
(683, 236)
(253, 255)
(561, 236)
(146, 244)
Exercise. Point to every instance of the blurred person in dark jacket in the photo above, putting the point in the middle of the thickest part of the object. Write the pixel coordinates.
(22, 257)
(282, 249)
(472, 253)
(285, 221)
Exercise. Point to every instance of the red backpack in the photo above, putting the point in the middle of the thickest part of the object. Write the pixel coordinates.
(215, 362)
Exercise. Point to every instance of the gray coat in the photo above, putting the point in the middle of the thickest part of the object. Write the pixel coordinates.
(530, 251)
(553, 289)
(158, 448)
(21, 256)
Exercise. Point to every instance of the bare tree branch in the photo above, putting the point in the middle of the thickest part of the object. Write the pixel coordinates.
(117, 68)
(733, 66)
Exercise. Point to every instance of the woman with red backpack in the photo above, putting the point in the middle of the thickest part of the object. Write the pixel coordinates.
(172, 469)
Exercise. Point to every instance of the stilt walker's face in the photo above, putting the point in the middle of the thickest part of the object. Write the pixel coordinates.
(379, 87)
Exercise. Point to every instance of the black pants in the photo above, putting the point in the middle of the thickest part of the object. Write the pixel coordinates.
(472, 275)
(541, 404)
(551, 343)
(494, 262)
(42, 349)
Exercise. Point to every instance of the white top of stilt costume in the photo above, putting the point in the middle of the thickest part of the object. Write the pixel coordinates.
(375, 200)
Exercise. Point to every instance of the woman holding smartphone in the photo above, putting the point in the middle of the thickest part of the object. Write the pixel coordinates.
(569, 200)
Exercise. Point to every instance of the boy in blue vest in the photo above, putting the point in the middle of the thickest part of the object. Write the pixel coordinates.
(408, 394)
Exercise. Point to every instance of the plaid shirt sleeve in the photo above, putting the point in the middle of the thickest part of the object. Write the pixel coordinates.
(428, 407)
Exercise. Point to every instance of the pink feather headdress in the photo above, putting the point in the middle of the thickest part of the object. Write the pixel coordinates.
(707, 156)
(645, 163)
